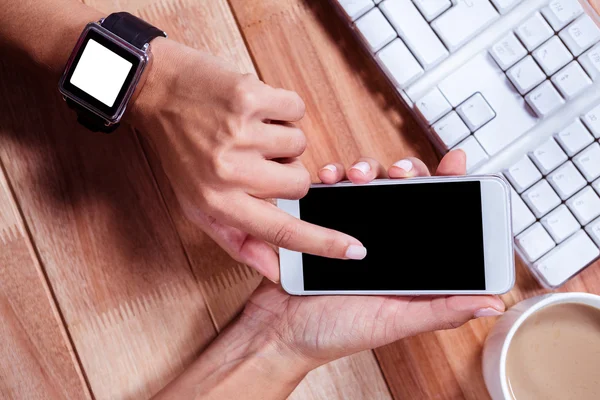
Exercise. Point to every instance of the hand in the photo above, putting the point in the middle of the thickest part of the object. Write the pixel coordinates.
(324, 328)
(226, 142)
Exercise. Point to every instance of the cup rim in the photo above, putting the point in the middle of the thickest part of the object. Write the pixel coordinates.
(545, 300)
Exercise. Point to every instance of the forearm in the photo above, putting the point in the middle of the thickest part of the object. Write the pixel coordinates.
(244, 362)
(43, 32)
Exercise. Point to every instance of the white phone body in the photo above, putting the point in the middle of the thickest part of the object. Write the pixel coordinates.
(497, 240)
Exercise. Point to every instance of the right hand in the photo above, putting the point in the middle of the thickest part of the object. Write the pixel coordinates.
(226, 142)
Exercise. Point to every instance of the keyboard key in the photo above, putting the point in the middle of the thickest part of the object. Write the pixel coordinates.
(567, 259)
(432, 8)
(593, 230)
(591, 119)
(356, 8)
(476, 112)
(580, 35)
(541, 198)
(375, 29)
(574, 138)
(571, 80)
(585, 205)
(535, 242)
(522, 217)
(534, 31)
(523, 174)
(596, 185)
(548, 156)
(560, 223)
(566, 180)
(560, 12)
(482, 74)
(525, 75)
(588, 162)
(451, 129)
(399, 63)
(508, 51)
(590, 61)
(433, 106)
(544, 99)
(552, 55)
(414, 31)
(463, 21)
(503, 6)
(475, 153)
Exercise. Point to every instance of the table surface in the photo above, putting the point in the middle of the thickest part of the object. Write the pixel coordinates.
(107, 292)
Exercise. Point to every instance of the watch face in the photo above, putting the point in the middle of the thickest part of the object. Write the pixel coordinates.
(102, 72)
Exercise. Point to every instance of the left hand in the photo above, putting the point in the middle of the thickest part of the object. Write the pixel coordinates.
(324, 328)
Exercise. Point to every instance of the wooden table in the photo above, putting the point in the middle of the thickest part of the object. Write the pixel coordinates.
(107, 292)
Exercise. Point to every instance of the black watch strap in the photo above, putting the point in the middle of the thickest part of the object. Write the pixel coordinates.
(133, 30)
(90, 120)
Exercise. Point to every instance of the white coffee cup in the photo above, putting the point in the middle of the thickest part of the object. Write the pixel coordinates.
(500, 337)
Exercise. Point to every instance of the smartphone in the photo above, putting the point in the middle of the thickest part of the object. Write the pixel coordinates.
(424, 236)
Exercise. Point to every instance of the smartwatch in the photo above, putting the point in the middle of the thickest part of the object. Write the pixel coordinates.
(105, 67)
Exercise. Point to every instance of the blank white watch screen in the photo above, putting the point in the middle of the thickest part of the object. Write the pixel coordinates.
(426, 236)
(100, 72)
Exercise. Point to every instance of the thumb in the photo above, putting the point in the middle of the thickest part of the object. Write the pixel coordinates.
(448, 312)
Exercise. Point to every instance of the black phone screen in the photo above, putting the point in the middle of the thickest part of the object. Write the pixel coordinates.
(425, 236)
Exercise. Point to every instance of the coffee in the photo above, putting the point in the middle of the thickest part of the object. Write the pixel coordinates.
(555, 354)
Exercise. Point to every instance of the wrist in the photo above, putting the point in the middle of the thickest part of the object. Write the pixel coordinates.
(273, 353)
(248, 360)
(153, 89)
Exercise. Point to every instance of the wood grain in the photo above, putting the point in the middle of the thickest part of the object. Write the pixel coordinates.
(131, 302)
(38, 361)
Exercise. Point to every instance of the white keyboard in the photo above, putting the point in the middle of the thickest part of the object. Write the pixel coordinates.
(516, 85)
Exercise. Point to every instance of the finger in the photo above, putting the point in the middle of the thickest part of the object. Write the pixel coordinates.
(364, 170)
(453, 163)
(408, 168)
(259, 255)
(282, 179)
(427, 314)
(241, 247)
(332, 173)
(279, 104)
(278, 140)
(265, 221)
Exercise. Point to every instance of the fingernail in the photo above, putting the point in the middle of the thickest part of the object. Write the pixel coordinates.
(362, 166)
(487, 312)
(356, 252)
(330, 167)
(406, 165)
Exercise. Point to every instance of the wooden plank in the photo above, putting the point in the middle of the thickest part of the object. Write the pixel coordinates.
(351, 111)
(38, 359)
(227, 284)
(354, 377)
(133, 308)
(210, 27)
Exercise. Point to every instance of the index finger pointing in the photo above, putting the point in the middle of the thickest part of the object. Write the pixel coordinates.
(265, 221)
